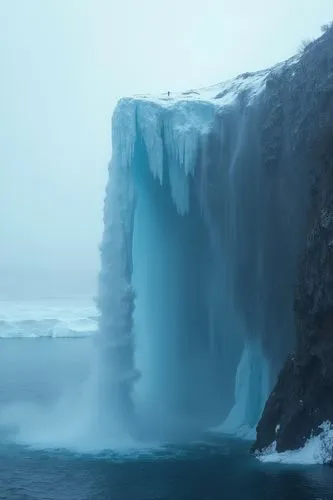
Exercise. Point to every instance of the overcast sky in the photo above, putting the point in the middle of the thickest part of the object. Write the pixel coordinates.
(63, 65)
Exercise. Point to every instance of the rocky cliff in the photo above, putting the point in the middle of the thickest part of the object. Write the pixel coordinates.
(302, 398)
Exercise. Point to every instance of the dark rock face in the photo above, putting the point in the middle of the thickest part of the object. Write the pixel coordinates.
(303, 396)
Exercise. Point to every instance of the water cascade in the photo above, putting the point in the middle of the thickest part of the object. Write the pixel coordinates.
(197, 280)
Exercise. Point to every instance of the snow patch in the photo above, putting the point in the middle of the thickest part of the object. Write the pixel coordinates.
(317, 450)
(220, 95)
(174, 128)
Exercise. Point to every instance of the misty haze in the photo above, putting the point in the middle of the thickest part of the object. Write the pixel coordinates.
(166, 228)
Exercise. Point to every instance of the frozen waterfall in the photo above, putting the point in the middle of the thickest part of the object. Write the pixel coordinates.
(251, 392)
(196, 279)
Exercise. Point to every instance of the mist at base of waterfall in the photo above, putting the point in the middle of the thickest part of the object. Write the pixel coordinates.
(50, 398)
(52, 443)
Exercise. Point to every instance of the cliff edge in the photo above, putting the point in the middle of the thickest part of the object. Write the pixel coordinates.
(302, 398)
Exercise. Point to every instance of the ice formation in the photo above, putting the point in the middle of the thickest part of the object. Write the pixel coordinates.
(251, 392)
(196, 281)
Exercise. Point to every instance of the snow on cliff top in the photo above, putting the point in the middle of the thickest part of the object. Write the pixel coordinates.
(220, 94)
(180, 123)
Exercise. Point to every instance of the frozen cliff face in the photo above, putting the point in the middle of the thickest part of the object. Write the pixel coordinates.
(302, 398)
(205, 218)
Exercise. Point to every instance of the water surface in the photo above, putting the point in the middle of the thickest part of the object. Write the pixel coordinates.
(215, 471)
(35, 374)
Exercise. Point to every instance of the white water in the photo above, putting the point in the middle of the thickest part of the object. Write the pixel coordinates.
(317, 450)
(48, 373)
(52, 318)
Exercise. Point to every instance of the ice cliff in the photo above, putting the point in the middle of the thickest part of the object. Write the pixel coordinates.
(206, 218)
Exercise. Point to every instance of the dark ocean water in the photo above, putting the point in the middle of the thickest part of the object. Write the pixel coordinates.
(206, 471)
(34, 374)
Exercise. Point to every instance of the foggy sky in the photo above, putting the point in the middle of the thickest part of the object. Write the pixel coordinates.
(63, 65)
